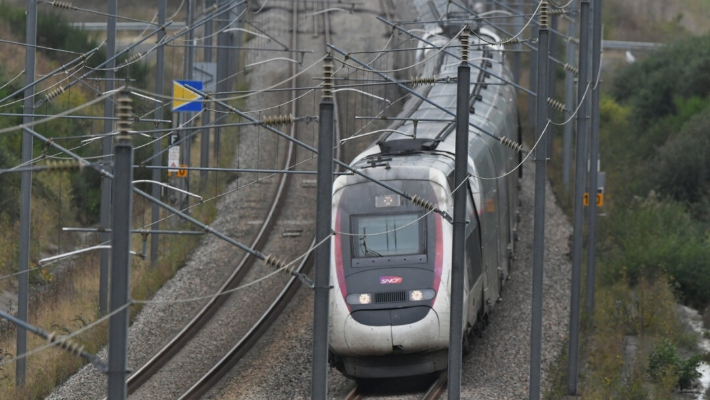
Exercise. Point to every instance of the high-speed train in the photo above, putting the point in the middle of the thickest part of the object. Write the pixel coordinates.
(391, 259)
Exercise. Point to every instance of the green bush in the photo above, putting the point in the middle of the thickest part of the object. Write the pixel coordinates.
(651, 237)
(664, 361)
(651, 86)
(682, 167)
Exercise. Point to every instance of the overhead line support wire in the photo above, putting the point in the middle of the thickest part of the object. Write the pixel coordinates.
(59, 341)
(413, 198)
(134, 45)
(62, 89)
(491, 73)
(206, 228)
(503, 140)
(82, 57)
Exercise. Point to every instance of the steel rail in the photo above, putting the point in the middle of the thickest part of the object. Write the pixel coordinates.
(239, 350)
(212, 377)
(190, 330)
(435, 391)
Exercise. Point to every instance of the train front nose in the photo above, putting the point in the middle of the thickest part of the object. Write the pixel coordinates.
(387, 331)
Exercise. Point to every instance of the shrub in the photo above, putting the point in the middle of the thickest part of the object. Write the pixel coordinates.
(664, 361)
(682, 167)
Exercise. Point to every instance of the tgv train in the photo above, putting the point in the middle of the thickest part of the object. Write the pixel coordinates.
(391, 262)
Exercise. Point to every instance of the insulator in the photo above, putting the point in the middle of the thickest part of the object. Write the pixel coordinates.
(279, 120)
(54, 94)
(571, 68)
(422, 80)
(214, 7)
(62, 4)
(181, 31)
(63, 165)
(464, 39)
(65, 343)
(510, 42)
(573, 40)
(328, 77)
(123, 113)
(418, 201)
(133, 58)
(556, 104)
(274, 262)
(544, 14)
(557, 11)
(512, 144)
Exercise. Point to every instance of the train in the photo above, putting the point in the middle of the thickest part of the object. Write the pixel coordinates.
(391, 259)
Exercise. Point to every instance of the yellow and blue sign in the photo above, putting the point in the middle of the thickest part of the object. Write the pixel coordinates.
(185, 99)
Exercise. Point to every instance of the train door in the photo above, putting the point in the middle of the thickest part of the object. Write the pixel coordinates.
(474, 260)
(489, 227)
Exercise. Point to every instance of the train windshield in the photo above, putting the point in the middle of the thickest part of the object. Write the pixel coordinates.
(388, 235)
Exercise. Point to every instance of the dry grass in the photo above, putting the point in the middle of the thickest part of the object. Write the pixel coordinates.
(70, 302)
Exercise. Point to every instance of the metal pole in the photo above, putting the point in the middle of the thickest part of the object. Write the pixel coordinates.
(120, 250)
(222, 65)
(552, 81)
(186, 145)
(205, 137)
(459, 241)
(569, 100)
(594, 158)
(579, 186)
(518, 25)
(26, 195)
(157, 145)
(105, 210)
(534, 55)
(539, 214)
(326, 128)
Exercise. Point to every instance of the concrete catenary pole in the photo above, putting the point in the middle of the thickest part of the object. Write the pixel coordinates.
(569, 98)
(459, 241)
(593, 158)
(105, 208)
(321, 302)
(26, 194)
(120, 251)
(579, 187)
(157, 145)
(539, 213)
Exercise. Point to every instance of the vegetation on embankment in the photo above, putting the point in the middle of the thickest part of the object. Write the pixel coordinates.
(653, 246)
(64, 296)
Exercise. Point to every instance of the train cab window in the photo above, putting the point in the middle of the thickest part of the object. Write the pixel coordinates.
(383, 235)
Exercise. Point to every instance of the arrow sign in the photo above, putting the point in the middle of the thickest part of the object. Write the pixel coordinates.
(184, 99)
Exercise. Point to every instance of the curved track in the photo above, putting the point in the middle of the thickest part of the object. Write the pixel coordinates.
(266, 230)
(213, 376)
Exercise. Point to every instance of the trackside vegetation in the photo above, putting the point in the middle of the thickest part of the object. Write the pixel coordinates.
(653, 246)
(64, 296)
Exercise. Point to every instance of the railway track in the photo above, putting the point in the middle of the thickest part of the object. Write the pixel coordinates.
(434, 391)
(233, 356)
(265, 233)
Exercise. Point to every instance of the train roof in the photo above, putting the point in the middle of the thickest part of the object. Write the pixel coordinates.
(433, 132)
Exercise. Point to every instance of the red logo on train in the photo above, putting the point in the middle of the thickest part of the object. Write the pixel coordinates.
(390, 280)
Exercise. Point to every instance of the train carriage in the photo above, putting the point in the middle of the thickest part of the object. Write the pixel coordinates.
(391, 264)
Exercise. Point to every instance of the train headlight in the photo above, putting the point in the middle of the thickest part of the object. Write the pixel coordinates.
(421, 294)
(358, 298)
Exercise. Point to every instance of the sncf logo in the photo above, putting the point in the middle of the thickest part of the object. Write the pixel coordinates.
(390, 280)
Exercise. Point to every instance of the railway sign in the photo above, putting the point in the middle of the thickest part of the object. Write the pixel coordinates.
(184, 99)
(173, 159)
